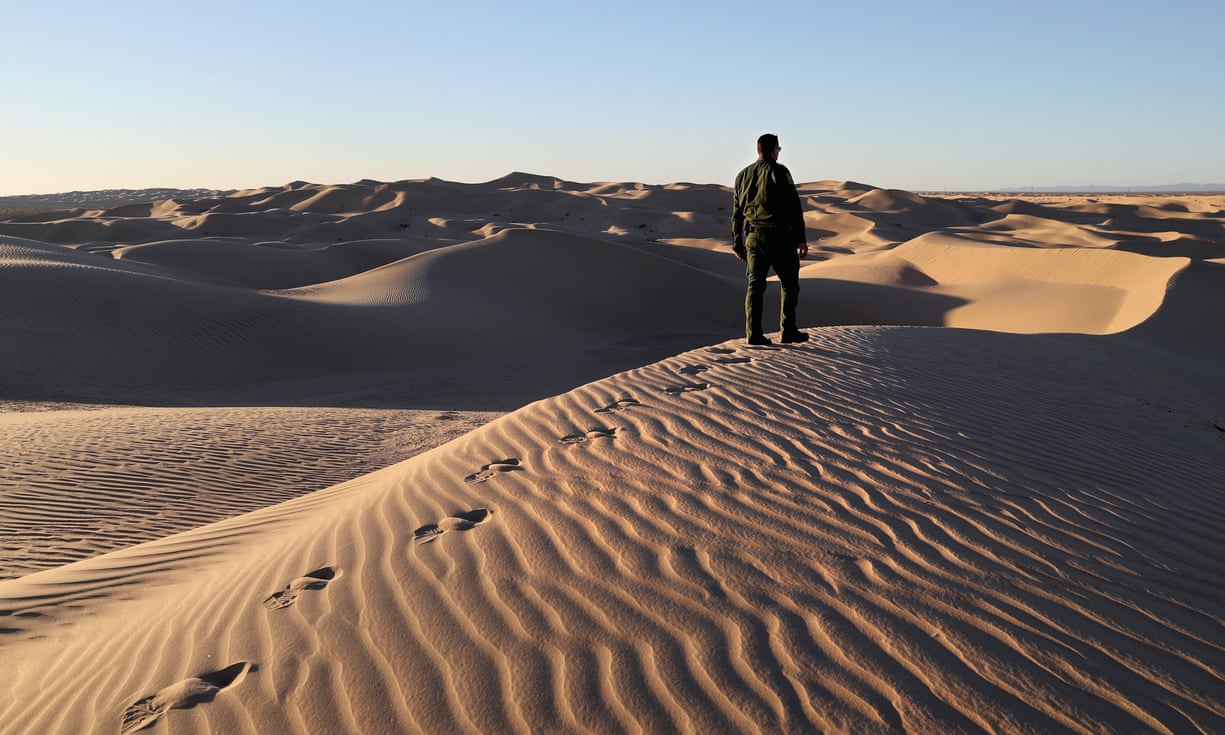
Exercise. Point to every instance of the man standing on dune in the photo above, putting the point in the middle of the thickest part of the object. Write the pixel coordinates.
(768, 232)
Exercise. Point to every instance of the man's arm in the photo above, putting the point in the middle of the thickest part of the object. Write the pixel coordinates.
(797, 217)
(738, 219)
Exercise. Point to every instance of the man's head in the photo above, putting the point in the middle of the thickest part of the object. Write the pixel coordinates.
(768, 147)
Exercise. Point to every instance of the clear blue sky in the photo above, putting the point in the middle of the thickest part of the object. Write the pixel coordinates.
(941, 94)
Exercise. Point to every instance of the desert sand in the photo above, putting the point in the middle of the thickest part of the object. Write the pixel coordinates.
(493, 458)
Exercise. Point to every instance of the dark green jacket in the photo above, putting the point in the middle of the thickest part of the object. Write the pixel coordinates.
(766, 199)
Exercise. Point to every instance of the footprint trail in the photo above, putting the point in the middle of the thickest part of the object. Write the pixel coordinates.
(315, 580)
(592, 433)
(459, 522)
(619, 405)
(181, 695)
(493, 468)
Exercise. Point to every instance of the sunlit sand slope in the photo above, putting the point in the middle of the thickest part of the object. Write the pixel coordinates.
(883, 530)
(78, 483)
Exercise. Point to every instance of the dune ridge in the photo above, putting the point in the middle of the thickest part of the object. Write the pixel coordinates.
(269, 291)
(732, 540)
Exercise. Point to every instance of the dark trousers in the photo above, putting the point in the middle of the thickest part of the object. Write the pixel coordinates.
(768, 249)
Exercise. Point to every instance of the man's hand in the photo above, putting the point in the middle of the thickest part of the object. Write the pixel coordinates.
(738, 249)
(803, 249)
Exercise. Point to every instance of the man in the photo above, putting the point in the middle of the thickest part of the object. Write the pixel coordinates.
(768, 232)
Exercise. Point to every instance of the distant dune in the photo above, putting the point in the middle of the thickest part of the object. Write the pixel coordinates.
(423, 456)
(309, 288)
(1095, 189)
(103, 198)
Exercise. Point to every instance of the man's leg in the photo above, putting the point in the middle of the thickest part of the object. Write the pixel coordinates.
(757, 270)
(786, 262)
(787, 266)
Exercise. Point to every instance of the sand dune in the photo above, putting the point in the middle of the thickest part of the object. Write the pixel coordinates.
(270, 291)
(1014, 289)
(427, 456)
(241, 317)
(867, 534)
(79, 483)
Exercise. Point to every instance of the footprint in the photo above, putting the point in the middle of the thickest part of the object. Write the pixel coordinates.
(181, 695)
(733, 360)
(315, 580)
(676, 390)
(719, 350)
(593, 433)
(620, 405)
(493, 468)
(458, 522)
(694, 369)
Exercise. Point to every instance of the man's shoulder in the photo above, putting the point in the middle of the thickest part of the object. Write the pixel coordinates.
(745, 174)
(752, 167)
(776, 166)
(782, 171)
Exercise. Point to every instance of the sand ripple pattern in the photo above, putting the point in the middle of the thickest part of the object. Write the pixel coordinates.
(868, 533)
(77, 484)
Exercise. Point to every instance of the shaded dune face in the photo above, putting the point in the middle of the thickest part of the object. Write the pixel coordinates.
(280, 290)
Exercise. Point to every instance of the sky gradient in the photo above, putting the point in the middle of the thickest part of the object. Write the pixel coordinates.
(939, 95)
